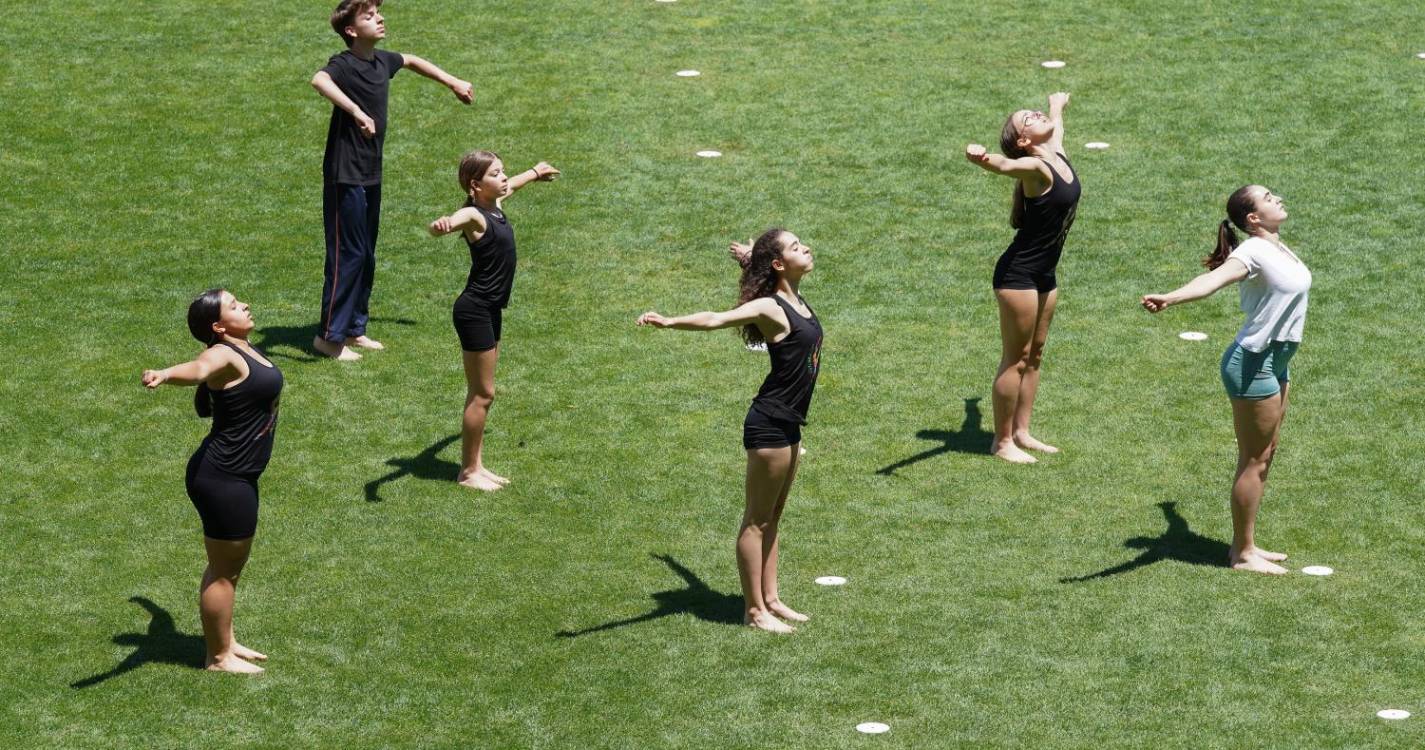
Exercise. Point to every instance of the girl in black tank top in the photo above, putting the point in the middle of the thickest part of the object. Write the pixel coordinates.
(240, 389)
(770, 310)
(1046, 199)
(478, 311)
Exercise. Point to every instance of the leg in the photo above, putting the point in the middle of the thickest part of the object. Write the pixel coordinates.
(767, 474)
(1256, 422)
(1271, 455)
(770, 547)
(1029, 383)
(344, 211)
(361, 312)
(215, 603)
(1018, 311)
(480, 394)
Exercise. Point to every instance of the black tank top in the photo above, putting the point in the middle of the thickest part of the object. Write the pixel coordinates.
(1046, 221)
(244, 418)
(796, 360)
(492, 261)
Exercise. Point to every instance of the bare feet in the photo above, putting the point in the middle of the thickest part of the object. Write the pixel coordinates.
(492, 476)
(243, 652)
(232, 664)
(366, 342)
(1265, 555)
(1013, 454)
(334, 350)
(1031, 443)
(781, 610)
(479, 481)
(1254, 564)
(765, 621)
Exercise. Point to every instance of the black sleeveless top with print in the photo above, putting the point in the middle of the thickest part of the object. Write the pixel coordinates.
(1047, 218)
(244, 418)
(796, 360)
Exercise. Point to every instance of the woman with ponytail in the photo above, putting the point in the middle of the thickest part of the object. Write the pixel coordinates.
(1045, 201)
(1273, 291)
(770, 310)
(239, 388)
(480, 307)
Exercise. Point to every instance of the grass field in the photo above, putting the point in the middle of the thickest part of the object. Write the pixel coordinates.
(152, 150)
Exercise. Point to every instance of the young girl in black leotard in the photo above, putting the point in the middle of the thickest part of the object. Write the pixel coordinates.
(771, 310)
(239, 388)
(478, 309)
(1046, 197)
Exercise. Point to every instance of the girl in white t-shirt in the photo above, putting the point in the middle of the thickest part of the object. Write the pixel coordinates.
(1273, 290)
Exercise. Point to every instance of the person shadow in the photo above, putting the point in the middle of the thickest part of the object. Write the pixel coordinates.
(971, 438)
(295, 342)
(424, 465)
(162, 643)
(1178, 543)
(695, 598)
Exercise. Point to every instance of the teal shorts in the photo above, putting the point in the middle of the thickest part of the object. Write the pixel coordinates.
(1256, 375)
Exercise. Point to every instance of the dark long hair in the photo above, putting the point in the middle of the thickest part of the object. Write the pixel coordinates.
(1238, 206)
(1009, 146)
(206, 310)
(473, 166)
(759, 278)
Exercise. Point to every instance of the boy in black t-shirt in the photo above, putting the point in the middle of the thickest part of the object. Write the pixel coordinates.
(357, 82)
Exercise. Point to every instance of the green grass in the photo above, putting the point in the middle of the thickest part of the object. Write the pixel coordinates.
(152, 150)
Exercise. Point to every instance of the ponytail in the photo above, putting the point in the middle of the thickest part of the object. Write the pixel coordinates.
(206, 310)
(1226, 243)
(1239, 204)
(1009, 146)
(759, 278)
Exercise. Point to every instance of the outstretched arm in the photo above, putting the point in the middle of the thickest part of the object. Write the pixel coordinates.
(758, 312)
(1025, 167)
(541, 172)
(1204, 285)
(1057, 102)
(740, 252)
(213, 361)
(325, 86)
(467, 218)
(463, 90)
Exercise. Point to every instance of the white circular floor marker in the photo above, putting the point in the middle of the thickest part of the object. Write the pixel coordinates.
(1420, 55)
(1096, 145)
(688, 74)
(1053, 63)
(1192, 336)
(709, 154)
(872, 727)
(831, 580)
(1393, 713)
(1317, 570)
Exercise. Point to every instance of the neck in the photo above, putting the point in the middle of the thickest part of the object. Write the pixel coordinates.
(364, 48)
(1040, 150)
(229, 338)
(788, 286)
(489, 204)
(1270, 236)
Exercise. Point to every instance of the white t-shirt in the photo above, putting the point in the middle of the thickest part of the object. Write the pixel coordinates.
(1273, 294)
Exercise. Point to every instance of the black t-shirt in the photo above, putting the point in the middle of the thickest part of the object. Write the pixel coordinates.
(352, 158)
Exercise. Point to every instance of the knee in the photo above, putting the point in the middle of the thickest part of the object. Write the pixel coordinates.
(1033, 357)
(480, 397)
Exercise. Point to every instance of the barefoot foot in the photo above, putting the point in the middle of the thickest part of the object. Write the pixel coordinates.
(492, 476)
(233, 665)
(1031, 443)
(1254, 564)
(479, 482)
(1013, 454)
(1268, 556)
(366, 342)
(243, 652)
(334, 350)
(765, 621)
(781, 610)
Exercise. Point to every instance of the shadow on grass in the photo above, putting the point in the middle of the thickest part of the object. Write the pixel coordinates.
(695, 599)
(295, 342)
(162, 644)
(971, 438)
(424, 465)
(1178, 543)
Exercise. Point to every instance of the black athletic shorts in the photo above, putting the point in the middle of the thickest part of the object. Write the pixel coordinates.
(1011, 275)
(477, 325)
(227, 503)
(762, 431)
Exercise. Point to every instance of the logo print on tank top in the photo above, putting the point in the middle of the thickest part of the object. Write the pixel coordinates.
(814, 359)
